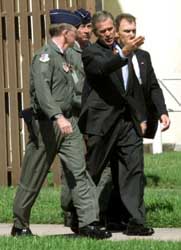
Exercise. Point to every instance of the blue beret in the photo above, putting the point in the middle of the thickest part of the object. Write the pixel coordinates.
(64, 16)
(84, 15)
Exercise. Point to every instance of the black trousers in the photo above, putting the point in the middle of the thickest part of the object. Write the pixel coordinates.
(123, 148)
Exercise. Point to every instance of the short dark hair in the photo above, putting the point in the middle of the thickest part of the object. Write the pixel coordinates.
(100, 16)
(130, 18)
(57, 29)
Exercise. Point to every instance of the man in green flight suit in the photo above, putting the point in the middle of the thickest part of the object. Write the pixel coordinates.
(54, 131)
(74, 57)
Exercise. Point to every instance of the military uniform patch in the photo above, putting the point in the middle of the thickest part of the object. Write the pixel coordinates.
(44, 58)
(66, 67)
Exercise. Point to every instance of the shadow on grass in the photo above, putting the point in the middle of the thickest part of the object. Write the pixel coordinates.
(68, 235)
(152, 180)
(156, 206)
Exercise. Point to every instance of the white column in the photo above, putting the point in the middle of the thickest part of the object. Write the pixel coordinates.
(157, 141)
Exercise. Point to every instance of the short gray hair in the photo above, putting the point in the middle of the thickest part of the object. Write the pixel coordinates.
(57, 29)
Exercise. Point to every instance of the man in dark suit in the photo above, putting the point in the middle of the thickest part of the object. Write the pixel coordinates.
(113, 116)
(155, 104)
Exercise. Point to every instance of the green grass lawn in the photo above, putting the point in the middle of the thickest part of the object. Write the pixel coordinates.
(163, 205)
(162, 195)
(65, 243)
(163, 170)
(163, 189)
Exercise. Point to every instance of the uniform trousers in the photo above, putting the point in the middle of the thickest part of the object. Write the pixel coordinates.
(35, 167)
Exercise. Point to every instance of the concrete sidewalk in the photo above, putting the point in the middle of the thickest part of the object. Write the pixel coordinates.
(164, 234)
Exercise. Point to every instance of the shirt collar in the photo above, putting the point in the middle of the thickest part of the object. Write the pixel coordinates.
(57, 47)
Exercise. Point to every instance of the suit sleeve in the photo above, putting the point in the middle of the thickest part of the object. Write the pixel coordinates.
(96, 63)
(155, 91)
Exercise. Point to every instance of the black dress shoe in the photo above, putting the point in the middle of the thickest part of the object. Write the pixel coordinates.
(75, 229)
(139, 230)
(93, 231)
(21, 232)
(74, 224)
(116, 226)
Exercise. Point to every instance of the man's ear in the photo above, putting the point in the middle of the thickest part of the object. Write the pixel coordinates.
(64, 32)
(116, 35)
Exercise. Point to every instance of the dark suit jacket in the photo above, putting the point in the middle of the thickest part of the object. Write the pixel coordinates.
(107, 100)
(154, 98)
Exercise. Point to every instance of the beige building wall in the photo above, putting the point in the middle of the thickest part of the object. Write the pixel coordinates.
(113, 6)
(159, 21)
